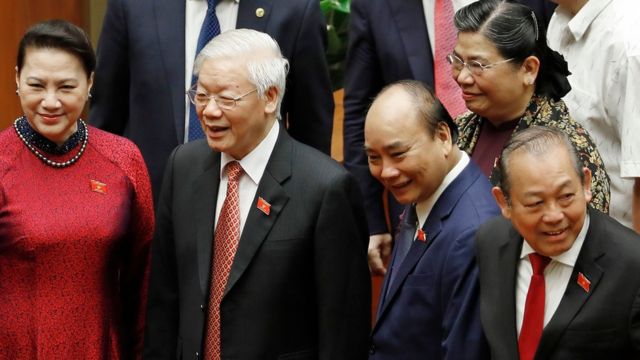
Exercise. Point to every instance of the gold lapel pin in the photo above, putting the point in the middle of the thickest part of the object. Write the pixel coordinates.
(259, 12)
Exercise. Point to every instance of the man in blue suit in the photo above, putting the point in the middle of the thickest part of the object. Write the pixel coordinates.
(144, 69)
(389, 40)
(429, 302)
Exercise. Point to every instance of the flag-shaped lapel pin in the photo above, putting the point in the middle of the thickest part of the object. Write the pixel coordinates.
(584, 283)
(98, 187)
(422, 236)
(264, 206)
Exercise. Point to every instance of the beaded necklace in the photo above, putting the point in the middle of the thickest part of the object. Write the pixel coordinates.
(82, 129)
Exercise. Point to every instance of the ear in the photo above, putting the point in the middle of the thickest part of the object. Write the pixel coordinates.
(530, 67)
(443, 133)
(90, 81)
(17, 78)
(586, 185)
(271, 100)
(501, 199)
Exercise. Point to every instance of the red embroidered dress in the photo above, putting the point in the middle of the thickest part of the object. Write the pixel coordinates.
(74, 250)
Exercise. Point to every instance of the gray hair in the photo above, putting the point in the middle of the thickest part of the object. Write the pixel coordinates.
(264, 62)
(536, 140)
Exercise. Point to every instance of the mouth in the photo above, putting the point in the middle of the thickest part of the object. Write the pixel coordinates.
(50, 117)
(216, 130)
(556, 233)
(399, 185)
(468, 96)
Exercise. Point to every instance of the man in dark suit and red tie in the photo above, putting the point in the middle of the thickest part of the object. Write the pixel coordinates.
(558, 279)
(429, 301)
(284, 274)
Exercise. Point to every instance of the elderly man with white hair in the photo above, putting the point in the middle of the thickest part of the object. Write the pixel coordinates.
(261, 243)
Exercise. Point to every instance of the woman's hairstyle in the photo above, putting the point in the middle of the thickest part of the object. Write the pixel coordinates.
(265, 64)
(516, 32)
(61, 35)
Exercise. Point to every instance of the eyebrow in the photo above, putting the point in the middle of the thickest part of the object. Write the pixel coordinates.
(57, 81)
(389, 147)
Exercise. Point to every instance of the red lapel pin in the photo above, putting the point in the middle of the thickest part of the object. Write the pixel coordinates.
(422, 236)
(98, 187)
(264, 206)
(584, 283)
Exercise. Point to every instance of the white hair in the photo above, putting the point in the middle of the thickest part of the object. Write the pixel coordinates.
(262, 57)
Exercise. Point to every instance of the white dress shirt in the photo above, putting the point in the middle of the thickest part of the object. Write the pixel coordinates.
(601, 43)
(423, 209)
(253, 164)
(429, 8)
(227, 14)
(556, 276)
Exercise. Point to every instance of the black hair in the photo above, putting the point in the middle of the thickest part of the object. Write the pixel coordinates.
(62, 35)
(516, 32)
(428, 106)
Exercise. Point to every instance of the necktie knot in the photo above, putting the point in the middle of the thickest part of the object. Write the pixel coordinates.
(234, 171)
(211, 5)
(538, 263)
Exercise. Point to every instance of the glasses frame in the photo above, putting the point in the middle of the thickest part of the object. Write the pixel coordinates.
(475, 68)
(223, 102)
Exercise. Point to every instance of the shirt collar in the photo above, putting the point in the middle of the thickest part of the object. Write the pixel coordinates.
(568, 257)
(579, 24)
(424, 208)
(256, 161)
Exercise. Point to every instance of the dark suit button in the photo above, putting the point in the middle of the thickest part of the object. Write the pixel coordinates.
(202, 308)
(372, 349)
(197, 355)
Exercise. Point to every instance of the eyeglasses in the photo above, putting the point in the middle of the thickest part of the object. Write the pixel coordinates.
(199, 98)
(475, 67)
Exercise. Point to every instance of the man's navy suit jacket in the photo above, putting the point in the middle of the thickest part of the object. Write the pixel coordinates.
(431, 310)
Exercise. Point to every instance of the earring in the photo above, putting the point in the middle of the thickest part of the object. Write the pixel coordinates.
(18, 91)
(89, 95)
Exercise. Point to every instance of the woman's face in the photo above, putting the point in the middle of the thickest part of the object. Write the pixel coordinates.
(53, 89)
(499, 93)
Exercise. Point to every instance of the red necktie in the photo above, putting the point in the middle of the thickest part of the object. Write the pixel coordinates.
(447, 90)
(225, 245)
(533, 320)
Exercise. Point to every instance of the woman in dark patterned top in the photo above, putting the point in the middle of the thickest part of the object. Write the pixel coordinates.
(511, 80)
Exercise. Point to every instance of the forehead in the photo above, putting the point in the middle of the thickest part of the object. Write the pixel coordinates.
(392, 118)
(42, 61)
(545, 172)
(474, 45)
(223, 73)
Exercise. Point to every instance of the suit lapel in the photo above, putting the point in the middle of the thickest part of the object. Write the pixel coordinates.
(247, 14)
(432, 228)
(259, 224)
(409, 18)
(169, 26)
(502, 300)
(575, 296)
(204, 199)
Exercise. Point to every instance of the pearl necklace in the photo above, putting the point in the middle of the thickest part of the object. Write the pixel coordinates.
(49, 162)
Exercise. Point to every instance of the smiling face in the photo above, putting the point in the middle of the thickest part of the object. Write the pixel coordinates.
(239, 130)
(500, 93)
(403, 155)
(53, 89)
(547, 201)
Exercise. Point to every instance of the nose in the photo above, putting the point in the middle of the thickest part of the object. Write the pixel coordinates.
(50, 100)
(211, 110)
(464, 76)
(553, 214)
(388, 171)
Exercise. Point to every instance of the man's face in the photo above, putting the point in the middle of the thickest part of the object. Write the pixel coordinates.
(239, 130)
(403, 155)
(548, 202)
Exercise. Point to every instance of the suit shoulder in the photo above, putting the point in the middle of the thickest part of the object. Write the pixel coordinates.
(308, 161)
(619, 239)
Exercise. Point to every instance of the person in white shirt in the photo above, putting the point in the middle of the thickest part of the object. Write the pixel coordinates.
(599, 40)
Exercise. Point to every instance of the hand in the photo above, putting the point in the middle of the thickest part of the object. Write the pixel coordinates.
(379, 251)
